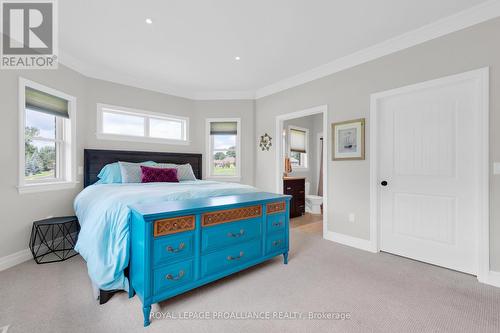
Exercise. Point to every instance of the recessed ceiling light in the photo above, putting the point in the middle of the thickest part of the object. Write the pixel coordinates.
(149, 21)
(237, 58)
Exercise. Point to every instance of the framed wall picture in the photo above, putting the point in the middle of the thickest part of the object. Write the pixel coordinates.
(349, 140)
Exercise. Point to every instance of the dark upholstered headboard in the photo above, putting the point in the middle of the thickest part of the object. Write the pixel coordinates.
(95, 159)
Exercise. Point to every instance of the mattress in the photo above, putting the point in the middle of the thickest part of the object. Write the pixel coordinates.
(103, 212)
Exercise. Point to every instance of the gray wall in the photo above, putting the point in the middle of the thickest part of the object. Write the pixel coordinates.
(20, 210)
(314, 123)
(347, 95)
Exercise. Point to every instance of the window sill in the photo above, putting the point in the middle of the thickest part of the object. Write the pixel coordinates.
(44, 187)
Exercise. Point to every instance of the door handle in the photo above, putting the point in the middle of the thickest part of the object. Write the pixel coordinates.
(384, 183)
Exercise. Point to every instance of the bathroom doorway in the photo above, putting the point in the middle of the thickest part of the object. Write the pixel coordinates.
(302, 167)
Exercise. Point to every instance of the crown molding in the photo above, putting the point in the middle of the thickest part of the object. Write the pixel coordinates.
(464, 19)
(120, 77)
(447, 25)
(224, 95)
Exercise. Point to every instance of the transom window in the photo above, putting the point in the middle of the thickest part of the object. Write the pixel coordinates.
(298, 145)
(223, 148)
(120, 123)
(47, 132)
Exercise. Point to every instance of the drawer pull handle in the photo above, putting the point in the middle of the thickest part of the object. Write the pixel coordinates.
(277, 242)
(277, 224)
(174, 278)
(289, 188)
(180, 248)
(239, 234)
(236, 258)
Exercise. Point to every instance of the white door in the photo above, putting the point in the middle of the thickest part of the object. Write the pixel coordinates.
(428, 154)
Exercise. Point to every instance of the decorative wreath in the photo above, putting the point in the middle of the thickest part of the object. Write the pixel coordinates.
(265, 142)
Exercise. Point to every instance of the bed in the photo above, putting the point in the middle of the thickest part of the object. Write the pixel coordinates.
(106, 211)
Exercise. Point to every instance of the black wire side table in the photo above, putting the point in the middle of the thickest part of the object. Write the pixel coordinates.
(54, 239)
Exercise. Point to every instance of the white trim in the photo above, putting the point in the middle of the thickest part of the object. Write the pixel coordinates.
(47, 186)
(65, 164)
(458, 21)
(481, 76)
(14, 259)
(469, 17)
(208, 155)
(321, 109)
(359, 243)
(491, 277)
(147, 115)
(156, 85)
(308, 152)
(223, 95)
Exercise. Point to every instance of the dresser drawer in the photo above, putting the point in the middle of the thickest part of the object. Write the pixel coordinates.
(173, 225)
(173, 276)
(276, 242)
(294, 186)
(276, 222)
(276, 207)
(227, 234)
(174, 247)
(230, 258)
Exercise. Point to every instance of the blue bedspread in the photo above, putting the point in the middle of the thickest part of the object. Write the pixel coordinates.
(104, 218)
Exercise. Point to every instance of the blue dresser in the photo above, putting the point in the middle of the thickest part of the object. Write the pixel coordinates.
(180, 245)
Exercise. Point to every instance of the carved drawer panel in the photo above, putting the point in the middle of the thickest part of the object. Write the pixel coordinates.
(230, 215)
(276, 207)
(174, 225)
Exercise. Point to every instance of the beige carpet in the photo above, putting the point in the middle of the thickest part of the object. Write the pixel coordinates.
(382, 293)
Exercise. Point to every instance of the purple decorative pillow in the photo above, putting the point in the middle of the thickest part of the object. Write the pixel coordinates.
(158, 175)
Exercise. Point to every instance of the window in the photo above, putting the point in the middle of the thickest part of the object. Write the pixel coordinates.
(298, 144)
(46, 152)
(119, 123)
(223, 143)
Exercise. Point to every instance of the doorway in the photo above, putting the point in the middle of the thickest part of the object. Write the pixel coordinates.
(282, 130)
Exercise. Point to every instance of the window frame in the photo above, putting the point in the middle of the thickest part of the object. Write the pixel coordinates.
(209, 150)
(289, 151)
(147, 116)
(65, 142)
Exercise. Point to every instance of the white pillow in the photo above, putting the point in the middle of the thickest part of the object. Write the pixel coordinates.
(184, 171)
(131, 172)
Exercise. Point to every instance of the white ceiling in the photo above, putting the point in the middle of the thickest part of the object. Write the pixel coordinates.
(191, 45)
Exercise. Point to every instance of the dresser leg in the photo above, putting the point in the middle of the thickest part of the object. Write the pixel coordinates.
(131, 292)
(285, 258)
(147, 312)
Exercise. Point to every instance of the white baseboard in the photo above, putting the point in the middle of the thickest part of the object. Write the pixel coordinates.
(15, 259)
(492, 278)
(359, 243)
